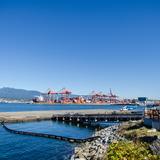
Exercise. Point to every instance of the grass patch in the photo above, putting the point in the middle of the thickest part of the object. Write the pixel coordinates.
(136, 131)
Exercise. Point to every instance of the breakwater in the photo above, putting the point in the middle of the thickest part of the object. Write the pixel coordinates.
(96, 149)
(72, 140)
(48, 115)
(30, 147)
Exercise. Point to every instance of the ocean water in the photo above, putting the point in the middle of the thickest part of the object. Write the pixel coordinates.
(13, 107)
(23, 147)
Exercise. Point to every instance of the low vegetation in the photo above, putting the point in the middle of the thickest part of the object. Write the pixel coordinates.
(136, 144)
(127, 150)
(137, 131)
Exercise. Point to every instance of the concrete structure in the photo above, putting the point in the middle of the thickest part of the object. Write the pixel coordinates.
(152, 118)
(90, 118)
(46, 115)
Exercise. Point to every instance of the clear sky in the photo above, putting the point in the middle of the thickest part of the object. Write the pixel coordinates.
(83, 45)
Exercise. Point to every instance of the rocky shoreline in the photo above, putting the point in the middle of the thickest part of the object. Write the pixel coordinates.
(96, 149)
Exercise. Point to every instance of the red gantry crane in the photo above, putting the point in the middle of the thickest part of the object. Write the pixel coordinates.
(65, 95)
(112, 97)
(50, 95)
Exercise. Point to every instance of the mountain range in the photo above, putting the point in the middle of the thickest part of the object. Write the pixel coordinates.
(12, 93)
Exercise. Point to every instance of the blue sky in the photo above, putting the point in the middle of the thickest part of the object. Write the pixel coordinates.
(83, 45)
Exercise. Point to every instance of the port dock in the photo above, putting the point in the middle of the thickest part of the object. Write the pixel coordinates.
(68, 115)
(89, 118)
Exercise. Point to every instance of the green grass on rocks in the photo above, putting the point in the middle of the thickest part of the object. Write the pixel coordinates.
(127, 150)
(136, 146)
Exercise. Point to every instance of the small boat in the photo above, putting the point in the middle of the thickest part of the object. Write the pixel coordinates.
(127, 108)
(124, 108)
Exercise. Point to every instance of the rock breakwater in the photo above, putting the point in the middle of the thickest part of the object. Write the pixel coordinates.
(96, 149)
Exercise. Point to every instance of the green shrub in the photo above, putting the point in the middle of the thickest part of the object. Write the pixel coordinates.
(126, 150)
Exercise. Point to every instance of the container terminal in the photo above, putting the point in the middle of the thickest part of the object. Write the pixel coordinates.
(65, 96)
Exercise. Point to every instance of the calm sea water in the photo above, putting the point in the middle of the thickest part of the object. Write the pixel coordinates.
(5, 107)
(22, 147)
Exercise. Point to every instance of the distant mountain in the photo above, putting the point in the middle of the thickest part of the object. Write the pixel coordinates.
(12, 93)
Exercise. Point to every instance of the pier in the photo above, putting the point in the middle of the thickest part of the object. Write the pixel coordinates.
(75, 116)
(51, 136)
(70, 115)
(89, 118)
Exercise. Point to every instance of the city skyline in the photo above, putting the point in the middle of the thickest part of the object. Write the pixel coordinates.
(81, 45)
